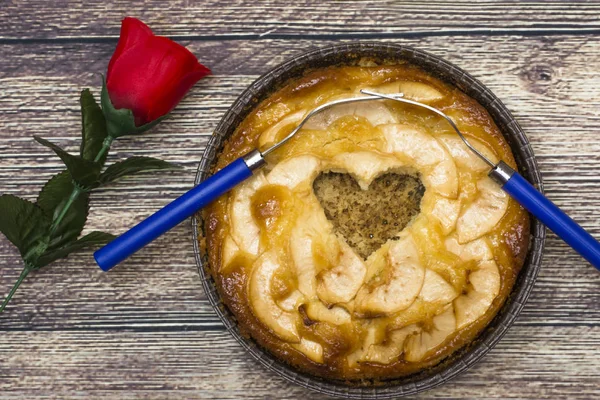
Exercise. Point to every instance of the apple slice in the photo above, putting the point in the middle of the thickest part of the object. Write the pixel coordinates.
(340, 283)
(419, 345)
(484, 213)
(281, 323)
(402, 288)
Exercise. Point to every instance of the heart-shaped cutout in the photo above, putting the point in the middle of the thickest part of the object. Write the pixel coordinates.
(368, 218)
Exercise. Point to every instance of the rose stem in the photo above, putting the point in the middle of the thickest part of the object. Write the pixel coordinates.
(23, 275)
(77, 190)
(105, 146)
(74, 194)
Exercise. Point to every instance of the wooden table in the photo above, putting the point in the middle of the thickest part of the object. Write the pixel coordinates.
(146, 330)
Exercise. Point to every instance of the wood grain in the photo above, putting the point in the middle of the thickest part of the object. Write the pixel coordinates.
(146, 330)
(202, 365)
(238, 19)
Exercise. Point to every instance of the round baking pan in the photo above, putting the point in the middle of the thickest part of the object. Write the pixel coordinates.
(343, 54)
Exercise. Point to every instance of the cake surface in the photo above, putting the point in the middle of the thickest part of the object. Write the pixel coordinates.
(373, 244)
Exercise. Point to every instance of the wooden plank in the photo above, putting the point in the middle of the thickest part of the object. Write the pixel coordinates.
(70, 19)
(152, 292)
(529, 362)
(550, 82)
(146, 330)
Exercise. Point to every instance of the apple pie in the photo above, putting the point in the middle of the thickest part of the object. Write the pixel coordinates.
(316, 254)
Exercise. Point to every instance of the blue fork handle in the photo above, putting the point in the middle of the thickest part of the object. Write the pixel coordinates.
(172, 214)
(550, 215)
(241, 169)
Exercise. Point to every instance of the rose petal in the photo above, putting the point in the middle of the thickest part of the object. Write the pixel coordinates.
(150, 74)
(133, 31)
(172, 94)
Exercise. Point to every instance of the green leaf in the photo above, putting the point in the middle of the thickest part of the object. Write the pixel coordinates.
(132, 166)
(93, 128)
(121, 122)
(25, 225)
(84, 172)
(52, 199)
(95, 238)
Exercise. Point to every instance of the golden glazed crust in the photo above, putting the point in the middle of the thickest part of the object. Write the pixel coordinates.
(295, 285)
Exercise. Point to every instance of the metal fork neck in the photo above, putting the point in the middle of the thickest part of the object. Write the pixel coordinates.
(501, 173)
(254, 160)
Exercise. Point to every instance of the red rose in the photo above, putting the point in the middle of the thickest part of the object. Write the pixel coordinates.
(149, 74)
